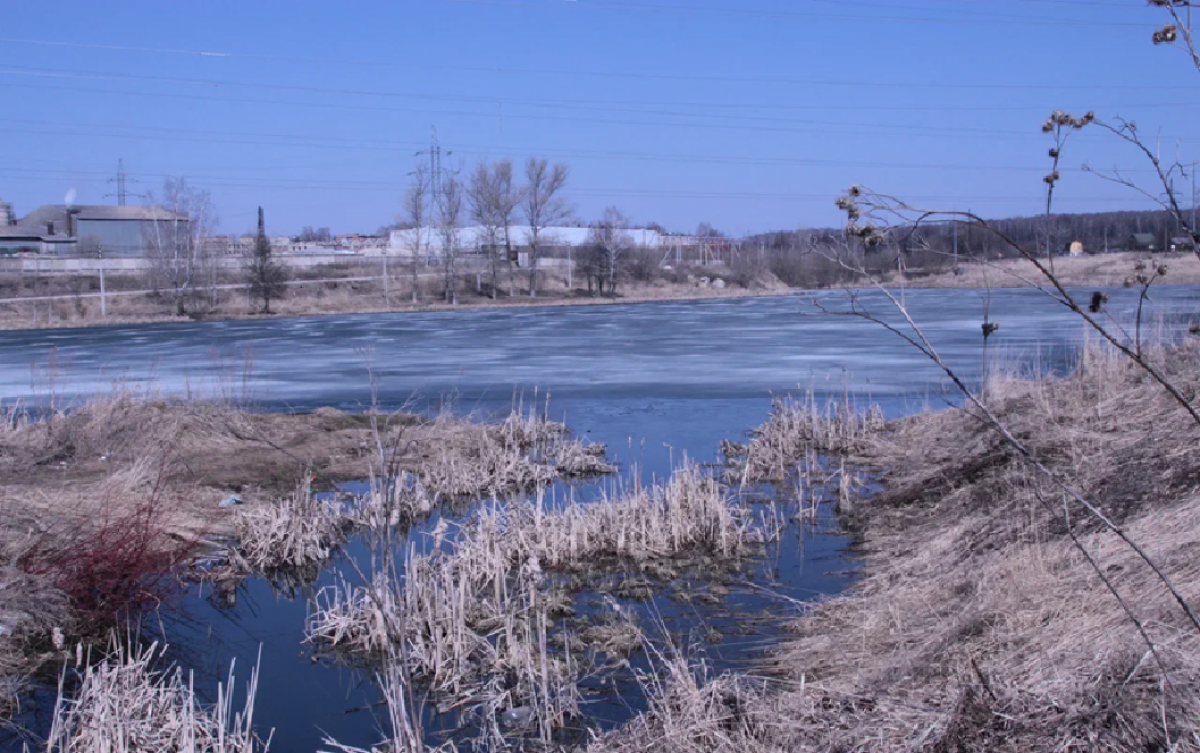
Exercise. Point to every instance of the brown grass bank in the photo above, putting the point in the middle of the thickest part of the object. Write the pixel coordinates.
(102, 504)
(979, 625)
(1100, 270)
(336, 297)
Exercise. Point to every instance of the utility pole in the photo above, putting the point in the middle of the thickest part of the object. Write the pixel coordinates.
(956, 243)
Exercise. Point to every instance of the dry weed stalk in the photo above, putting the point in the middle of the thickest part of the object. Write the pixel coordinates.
(125, 705)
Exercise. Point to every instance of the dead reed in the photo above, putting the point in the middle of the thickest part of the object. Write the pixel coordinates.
(296, 531)
(473, 618)
(980, 625)
(797, 429)
(125, 704)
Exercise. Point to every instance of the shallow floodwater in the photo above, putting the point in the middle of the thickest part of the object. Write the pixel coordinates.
(652, 381)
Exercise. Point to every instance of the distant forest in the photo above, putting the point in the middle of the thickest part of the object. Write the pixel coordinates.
(1097, 231)
(933, 246)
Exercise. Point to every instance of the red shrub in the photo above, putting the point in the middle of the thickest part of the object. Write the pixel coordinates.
(111, 569)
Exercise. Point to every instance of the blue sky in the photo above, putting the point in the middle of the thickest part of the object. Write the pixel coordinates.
(748, 115)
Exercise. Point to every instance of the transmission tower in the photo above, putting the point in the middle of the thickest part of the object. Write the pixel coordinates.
(121, 180)
(435, 154)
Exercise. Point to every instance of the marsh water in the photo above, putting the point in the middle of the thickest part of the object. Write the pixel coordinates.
(654, 382)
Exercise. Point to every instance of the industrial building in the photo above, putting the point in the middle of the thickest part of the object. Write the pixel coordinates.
(475, 239)
(121, 231)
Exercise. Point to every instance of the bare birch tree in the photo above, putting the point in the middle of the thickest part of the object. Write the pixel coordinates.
(508, 198)
(416, 215)
(612, 239)
(177, 239)
(482, 192)
(544, 208)
(450, 204)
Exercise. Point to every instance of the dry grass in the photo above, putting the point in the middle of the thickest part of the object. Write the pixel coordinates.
(473, 619)
(1101, 270)
(296, 531)
(798, 433)
(979, 626)
(125, 704)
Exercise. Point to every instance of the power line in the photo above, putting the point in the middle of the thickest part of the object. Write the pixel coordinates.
(268, 139)
(1032, 200)
(983, 20)
(385, 186)
(907, 85)
(926, 131)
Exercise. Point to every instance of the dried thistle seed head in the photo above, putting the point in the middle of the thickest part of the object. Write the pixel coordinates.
(1062, 118)
(1052, 178)
(1048, 126)
(1162, 270)
(855, 191)
(1139, 266)
(853, 229)
(1054, 153)
(1165, 35)
(989, 328)
(1098, 301)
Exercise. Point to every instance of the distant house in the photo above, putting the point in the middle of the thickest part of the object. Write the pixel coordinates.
(113, 231)
(1141, 242)
(1183, 243)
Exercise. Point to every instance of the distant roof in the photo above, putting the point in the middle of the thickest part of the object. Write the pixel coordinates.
(27, 233)
(58, 212)
(16, 231)
(128, 213)
(1143, 237)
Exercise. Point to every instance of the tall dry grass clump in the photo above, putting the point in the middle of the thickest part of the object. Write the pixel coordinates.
(459, 458)
(798, 432)
(296, 531)
(981, 624)
(125, 704)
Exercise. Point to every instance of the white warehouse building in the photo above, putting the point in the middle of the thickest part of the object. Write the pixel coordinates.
(474, 239)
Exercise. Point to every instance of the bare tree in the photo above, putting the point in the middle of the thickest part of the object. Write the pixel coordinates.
(266, 275)
(611, 238)
(482, 192)
(416, 215)
(544, 207)
(508, 198)
(450, 204)
(176, 238)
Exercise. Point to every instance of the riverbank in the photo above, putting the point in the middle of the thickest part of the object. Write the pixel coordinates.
(105, 506)
(334, 298)
(1100, 270)
(985, 619)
